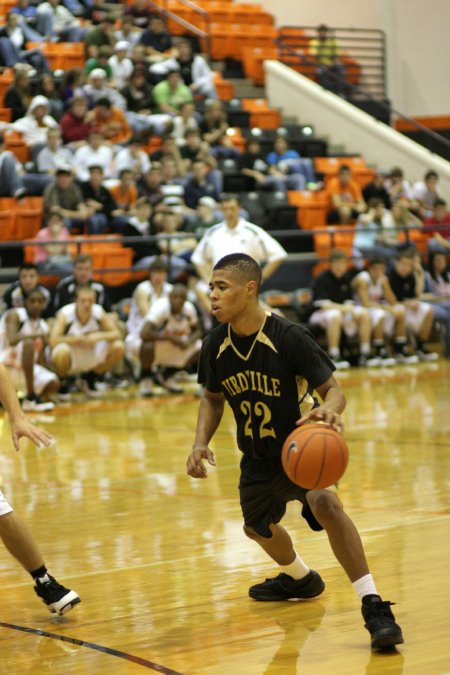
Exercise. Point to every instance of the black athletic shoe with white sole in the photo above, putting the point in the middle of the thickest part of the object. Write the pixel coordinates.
(58, 599)
(380, 622)
(284, 587)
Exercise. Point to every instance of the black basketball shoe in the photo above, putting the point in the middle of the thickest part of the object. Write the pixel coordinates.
(284, 587)
(58, 599)
(380, 622)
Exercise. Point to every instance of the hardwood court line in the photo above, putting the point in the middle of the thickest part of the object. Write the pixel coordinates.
(189, 559)
(91, 645)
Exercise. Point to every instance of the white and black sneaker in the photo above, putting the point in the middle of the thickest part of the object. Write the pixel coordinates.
(339, 362)
(58, 599)
(34, 403)
(404, 357)
(426, 355)
(385, 359)
(368, 361)
(146, 386)
(88, 384)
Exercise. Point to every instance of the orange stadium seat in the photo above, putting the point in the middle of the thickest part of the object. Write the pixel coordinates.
(261, 114)
(253, 59)
(312, 208)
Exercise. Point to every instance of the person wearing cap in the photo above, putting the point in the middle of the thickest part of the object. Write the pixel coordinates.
(326, 52)
(121, 66)
(97, 88)
(96, 152)
(66, 196)
(195, 71)
(206, 216)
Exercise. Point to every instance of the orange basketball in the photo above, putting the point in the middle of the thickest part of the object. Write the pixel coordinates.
(314, 456)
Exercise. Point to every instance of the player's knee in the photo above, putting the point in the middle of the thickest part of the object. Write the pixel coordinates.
(118, 349)
(251, 533)
(335, 317)
(324, 505)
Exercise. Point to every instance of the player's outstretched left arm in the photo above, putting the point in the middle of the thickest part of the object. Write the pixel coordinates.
(333, 404)
(20, 426)
(209, 415)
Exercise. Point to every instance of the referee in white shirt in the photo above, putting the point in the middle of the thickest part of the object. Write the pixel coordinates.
(236, 235)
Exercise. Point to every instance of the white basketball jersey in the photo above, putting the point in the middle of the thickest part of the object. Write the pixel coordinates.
(374, 288)
(74, 325)
(135, 320)
(27, 326)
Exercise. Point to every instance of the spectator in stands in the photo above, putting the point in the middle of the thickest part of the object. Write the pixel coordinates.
(112, 123)
(105, 214)
(170, 94)
(326, 52)
(295, 171)
(206, 216)
(336, 312)
(97, 152)
(426, 193)
(132, 157)
(125, 193)
(179, 249)
(83, 274)
(85, 341)
(35, 124)
(11, 182)
(138, 92)
(156, 39)
(140, 11)
(404, 220)
(145, 294)
(373, 291)
(76, 123)
(50, 88)
(139, 224)
(376, 189)
(95, 12)
(398, 187)
(419, 315)
(54, 154)
(236, 235)
(214, 127)
(13, 46)
(101, 60)
(186, 120)
(202, 182)
(440, 221)
(17, 292)
(121, 65)
(101, 35)
(170, 340)
(195, 71)
(346, 198)
(28, 13)
(195, 149)
(55, 22)
(24, 335)
(437, 292)
(171, 180)
(53, 257)
(375, 234)
(129, 33)
(64, 194)
(18, 96)
(97, 89)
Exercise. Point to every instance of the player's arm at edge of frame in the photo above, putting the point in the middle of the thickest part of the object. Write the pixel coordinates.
(333, 404)
(210, 413)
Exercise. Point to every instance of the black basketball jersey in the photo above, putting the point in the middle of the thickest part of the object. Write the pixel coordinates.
(267, 378)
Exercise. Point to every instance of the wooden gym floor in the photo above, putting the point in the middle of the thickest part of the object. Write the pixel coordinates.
(163, 567)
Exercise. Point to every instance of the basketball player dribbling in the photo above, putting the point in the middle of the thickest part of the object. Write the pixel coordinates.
(267, 368)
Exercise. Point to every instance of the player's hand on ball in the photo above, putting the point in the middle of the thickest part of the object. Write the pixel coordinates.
(322, 414)
(195, 465)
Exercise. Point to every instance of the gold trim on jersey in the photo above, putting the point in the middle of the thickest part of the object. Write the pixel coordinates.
(305, 400)
(260, 337)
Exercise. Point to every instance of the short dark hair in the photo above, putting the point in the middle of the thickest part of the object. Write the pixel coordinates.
(431, 174)
(440, 202)
(344, 167)
(337, 254)
(82, 258)
(28, 266)
(158, 265)
(376, 260)
(104, 102)
(229, 197)
(406, 253)
(242, 265)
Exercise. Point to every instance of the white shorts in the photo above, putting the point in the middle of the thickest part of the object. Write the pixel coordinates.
(133, 344)
(83, 360)
(416, 317)
(167, 354)
(42, 378)
(322, 317)
(4, 506)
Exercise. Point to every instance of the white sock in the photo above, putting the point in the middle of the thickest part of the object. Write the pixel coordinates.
(365, 586)
(365, 348)
(335, 352)
(44, 579)
(296, 569)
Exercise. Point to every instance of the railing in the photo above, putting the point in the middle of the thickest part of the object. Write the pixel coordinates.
(432, 140)
(204, 18)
